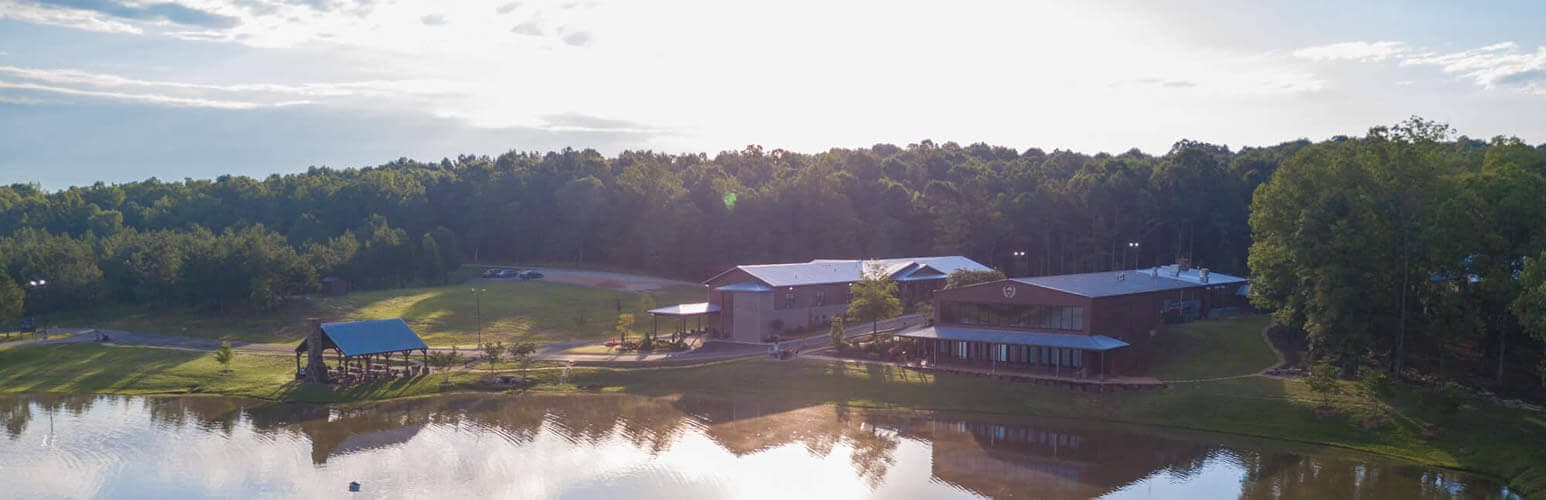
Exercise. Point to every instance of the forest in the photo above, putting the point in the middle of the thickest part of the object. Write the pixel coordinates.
(1407, 236)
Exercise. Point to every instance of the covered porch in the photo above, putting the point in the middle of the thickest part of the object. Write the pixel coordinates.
(1034, 353)
(685, 315)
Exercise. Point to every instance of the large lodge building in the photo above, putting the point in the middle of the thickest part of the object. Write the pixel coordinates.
(757, 302)
(1072, 325)
(1080, 325)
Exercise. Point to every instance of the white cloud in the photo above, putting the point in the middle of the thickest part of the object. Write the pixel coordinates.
(1501, 65)
(145, 98)
(227, 96)
(1352, 51)
(1497, 66)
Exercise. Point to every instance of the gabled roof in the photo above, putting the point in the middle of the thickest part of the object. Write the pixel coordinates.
(1113, 283)
(824, 271)
(357, 338)
(1018, 337)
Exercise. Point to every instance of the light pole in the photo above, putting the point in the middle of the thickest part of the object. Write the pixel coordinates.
(1020, 254)
(477, 300)
(36, 286)
(1133, 245)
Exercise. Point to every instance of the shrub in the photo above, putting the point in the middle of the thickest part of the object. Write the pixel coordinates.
(1323, 382)
(1374, 383)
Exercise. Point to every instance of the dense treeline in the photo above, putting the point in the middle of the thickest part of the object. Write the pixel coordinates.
(1406, 237)
(1335, 242)
(241, 241)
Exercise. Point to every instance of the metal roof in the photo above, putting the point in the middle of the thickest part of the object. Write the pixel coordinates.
(824, 271)
(747, 286)
(1018, 337)
(693, 309)
(358, 338)
(1112, 283)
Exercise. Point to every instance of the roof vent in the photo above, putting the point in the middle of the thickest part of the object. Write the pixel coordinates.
(1155, 273)
(1202, 274)
(1122, 276)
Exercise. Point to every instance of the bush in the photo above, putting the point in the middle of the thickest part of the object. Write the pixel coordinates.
(1450, 397)
(1374, 383)
(1323, 382)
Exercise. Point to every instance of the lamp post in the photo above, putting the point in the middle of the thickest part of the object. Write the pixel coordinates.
(1133, 245)
(37, 286)
(1020, 254)
(477, 300)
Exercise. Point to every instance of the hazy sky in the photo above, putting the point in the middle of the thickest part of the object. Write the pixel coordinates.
(121, 90)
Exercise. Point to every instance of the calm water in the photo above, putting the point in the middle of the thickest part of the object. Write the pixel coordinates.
(631, 447)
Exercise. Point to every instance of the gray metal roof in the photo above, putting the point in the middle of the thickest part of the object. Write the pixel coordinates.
(1112, 283)
(747, 286)
(824, 271)
(1018, 337)
(693, 309)
(357, 338)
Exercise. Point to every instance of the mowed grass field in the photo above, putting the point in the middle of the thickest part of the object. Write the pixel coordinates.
(1212, 349)
(512, 311)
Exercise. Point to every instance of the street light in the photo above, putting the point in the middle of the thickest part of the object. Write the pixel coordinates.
(38, 285)
(477, 300)
(1131, 245)
(1021, 254)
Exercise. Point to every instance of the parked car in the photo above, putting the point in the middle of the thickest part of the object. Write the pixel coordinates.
(28, 326)
(508, 273)
(531, 275)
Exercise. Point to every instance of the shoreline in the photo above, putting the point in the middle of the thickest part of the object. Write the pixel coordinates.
(1483, 439)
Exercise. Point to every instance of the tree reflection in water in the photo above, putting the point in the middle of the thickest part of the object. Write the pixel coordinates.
(973, 454)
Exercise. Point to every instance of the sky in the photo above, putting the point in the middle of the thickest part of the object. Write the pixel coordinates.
(123, 90)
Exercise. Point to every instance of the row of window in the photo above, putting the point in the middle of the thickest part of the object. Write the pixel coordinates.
(791, 299)
(1015, 354)
(1013, 315)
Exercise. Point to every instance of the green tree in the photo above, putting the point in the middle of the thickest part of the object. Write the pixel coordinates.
(11, 298)
(1322, 380)
(522, 353)
(874, 298)
(968, 277)
(836, 330)
(224, 355)
(492, 352)
(624, 327)
(445, 361)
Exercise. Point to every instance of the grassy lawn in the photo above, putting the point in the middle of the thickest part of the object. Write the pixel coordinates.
(512, 311)
(1209, 349)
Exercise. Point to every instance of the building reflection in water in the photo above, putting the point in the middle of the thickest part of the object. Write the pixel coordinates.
(979, 455)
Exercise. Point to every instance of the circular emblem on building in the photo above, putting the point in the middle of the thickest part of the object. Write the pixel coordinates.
(1009, 291)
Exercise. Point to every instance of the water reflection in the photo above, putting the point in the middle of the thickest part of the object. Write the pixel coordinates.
(603, 446)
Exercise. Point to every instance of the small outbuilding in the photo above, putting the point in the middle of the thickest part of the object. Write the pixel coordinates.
(362, 350)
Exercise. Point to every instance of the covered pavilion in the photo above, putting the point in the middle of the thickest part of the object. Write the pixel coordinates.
(682, 312)
(364, 350)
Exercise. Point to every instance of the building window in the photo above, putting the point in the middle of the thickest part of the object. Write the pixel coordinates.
(1014, 315)
(1003, 352)
(961, 349)
(789, 300)
(821, 298)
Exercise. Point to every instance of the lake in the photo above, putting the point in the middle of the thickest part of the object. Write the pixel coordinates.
(615, 446)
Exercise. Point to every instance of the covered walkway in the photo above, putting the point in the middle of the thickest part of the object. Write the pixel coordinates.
(1033, 353)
